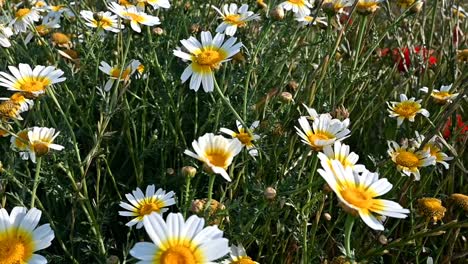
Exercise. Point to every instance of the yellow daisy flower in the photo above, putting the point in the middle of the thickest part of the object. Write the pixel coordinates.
(41, 141)
(206, 57)
(434, 147)
(114, 72)
(135, 16)
(408, 160)
(237, 255)
(141, 204)
(358, 192)
(325, 131)
(299, 7)
(216, 152)
(20, 237)
(234, 17)
(443, 95)
(104, 20)
(366, 7)
(24, 17)
(244, 137)
(178, 241)
(32, 81)
(406, 109)
(431, 208)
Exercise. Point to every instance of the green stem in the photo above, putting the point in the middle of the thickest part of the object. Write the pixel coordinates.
(210, 191)
(187, 194)
(36, 181)
(362, 29)
(348, 229)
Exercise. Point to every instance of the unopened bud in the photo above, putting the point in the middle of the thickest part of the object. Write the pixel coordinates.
(417, 7)
(158, 31)
(270, 193)
(383, 240)
(327, 216)
(189, 171)
(194, 28)
(286, 97)
(293, 85)
(170, 171)
(277, 13)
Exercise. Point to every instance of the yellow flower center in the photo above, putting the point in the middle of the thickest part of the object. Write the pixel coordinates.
(407, 159)
(234, 20)
(60, 38)
(318, 136)
(9, 109)
(57, 8)
(22, 141)
(14, 250)
(115, 72)
(218, 158)
(244, 260)
(22, 12)
(432, 208)
(178, 254)
(211, 58)
(367, 7)
(40, 148)
(34, 85)
(407, 109)
(244, 138)
(149, 207)
(103, 22)
(297, 2)
(42, 30)
(135, 17)
(360, 198)
(441, 95)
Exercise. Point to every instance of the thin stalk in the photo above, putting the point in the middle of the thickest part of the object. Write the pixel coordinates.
(362, 29)
(187, 194)
(348, 230)
(36, 180)
(210, 191)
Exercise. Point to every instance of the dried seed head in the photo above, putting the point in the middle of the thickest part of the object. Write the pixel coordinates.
(158, 31)
(286, 97)
(431, 208)
(340, 113)
(293, 85)
(459, 200)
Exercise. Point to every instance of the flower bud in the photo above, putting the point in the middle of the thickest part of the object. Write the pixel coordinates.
(189, 171)
(383, 240)
(327, 216)
(286, 97)
(293, 85)
(195, 28)
(158, 31)
(170, 171)
(277, 13)
(270, 193)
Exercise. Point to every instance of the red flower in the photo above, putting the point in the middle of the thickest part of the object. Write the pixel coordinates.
(461, 128)
(402, 56)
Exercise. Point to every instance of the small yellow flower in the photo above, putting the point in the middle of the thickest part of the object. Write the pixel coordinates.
(244, 136)
(366, 7)
(431, 208)
(406, 109)
(408, 159)
(442, 96)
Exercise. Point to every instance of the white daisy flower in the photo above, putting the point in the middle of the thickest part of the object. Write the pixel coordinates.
(299, 7)
(237, 255)
(56, 11)
(340, 152)
(20, 237)
(234, 17)
(244, 137)
(135, 16)
(178, 241)
(44, 28)
(20, 143)
(24, 17)
(325, 131)
(5, 34)
(104, 20)
(408, 159)
(31, 81)
(216, 152)
(156, 4)
(443, 95)
(310, 21)
(141, 204)
(335, 6)
(357, 193)
(313, 113)
(40, 142)
(206, 57)
(406, 109)
(434, 148)
(114, 72)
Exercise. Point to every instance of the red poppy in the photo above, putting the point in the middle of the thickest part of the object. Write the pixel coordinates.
(402, 56)
(461, 128)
